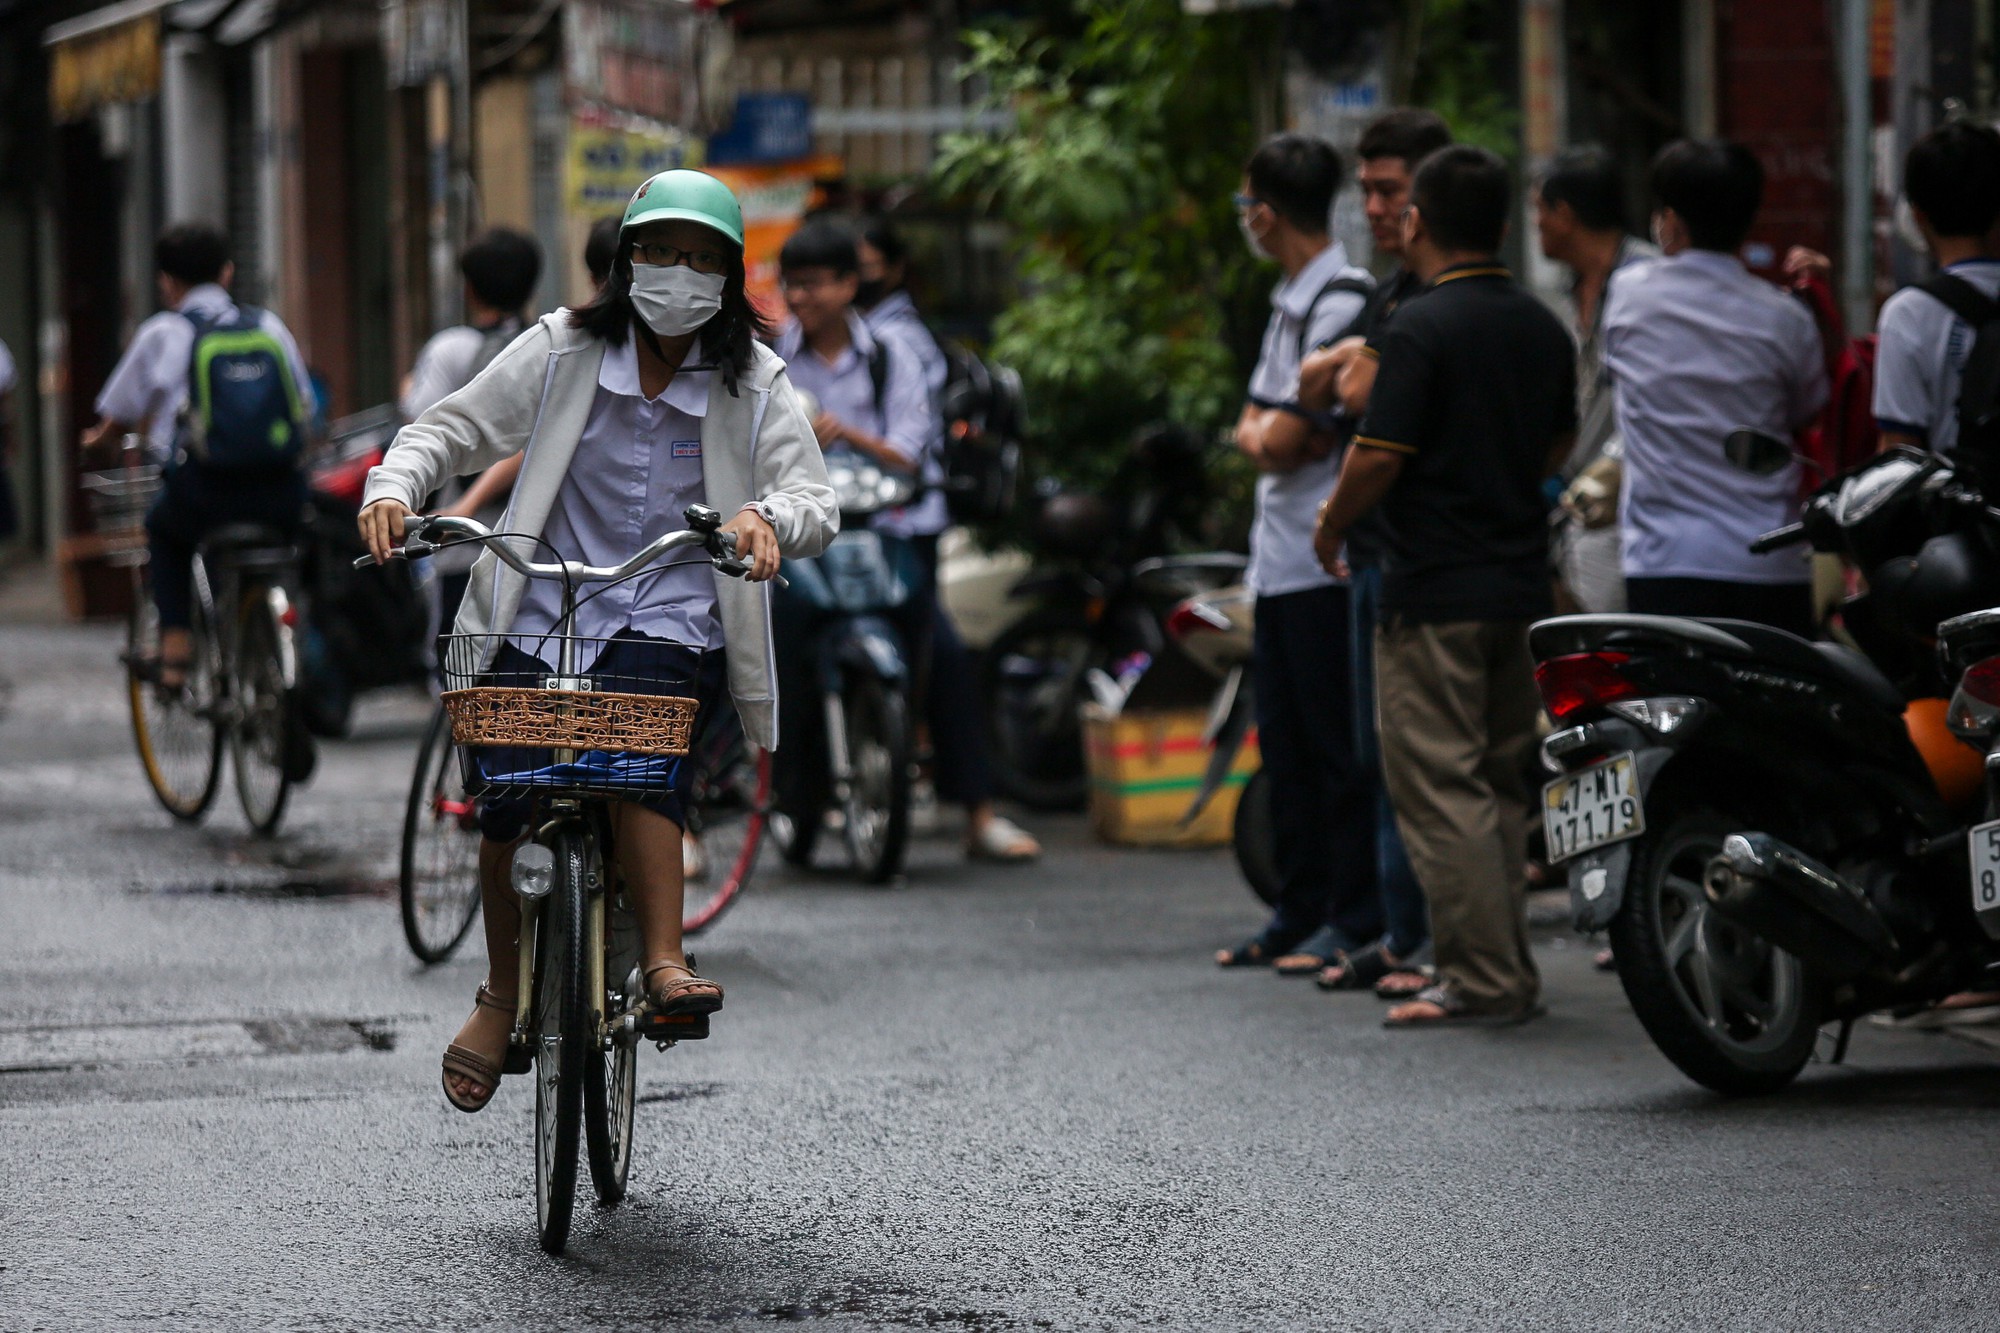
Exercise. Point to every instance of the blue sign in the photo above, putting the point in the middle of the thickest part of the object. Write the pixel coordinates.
(769, 127)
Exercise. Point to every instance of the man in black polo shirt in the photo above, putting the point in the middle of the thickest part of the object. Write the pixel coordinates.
(1474, 403)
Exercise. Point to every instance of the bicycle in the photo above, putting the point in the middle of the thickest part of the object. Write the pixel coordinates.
(728, 806)
(582, 1010)
(238, 691)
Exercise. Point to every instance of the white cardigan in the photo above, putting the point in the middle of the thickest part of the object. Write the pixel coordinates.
(756, 444)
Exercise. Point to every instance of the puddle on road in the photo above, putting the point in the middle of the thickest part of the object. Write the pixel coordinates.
(95, 1046)
(685, 1092)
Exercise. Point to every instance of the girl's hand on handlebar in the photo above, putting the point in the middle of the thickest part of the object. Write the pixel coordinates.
(382, 527)
(756, 543)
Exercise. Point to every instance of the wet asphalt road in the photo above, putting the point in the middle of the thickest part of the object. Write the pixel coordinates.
(985, 1100)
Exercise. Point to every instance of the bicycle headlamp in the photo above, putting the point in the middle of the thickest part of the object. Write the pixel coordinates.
(534, 870)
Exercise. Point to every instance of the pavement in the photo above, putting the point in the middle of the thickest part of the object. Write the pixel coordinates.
(986, 1099)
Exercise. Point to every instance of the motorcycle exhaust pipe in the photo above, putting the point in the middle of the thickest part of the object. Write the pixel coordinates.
(1799, 905)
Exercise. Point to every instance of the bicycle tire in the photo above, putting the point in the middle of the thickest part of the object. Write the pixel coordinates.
(611, 1087)
(258, 735)
(729, 807)
(439, 867)
(561, 1040)
(178, 738)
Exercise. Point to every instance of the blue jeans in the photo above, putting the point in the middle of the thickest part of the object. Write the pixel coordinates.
(1406, 922)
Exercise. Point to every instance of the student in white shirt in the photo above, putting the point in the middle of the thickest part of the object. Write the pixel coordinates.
(1697, 347)
(1951, 178)
(1323, 793)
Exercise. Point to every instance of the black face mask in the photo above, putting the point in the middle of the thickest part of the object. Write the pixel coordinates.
(870, 293)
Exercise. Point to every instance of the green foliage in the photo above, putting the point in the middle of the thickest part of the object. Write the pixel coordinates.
(1138, 300)
(1453, 59)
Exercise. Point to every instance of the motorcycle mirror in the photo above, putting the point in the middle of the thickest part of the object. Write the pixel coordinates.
(1757, 453)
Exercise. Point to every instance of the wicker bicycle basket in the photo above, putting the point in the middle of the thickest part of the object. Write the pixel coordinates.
(650, 724)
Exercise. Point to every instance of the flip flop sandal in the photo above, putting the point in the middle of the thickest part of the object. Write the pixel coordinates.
(1453, 1012)
(1302, 960)
(1404, 983)
(1257, 951)
(471, 1064)
(690, 994)
(1356, 971)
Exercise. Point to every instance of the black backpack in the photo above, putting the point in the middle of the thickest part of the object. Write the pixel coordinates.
(1979, 387)
(982, 407)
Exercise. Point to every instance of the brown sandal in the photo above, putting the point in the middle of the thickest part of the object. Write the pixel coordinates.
(687, 994)
(471, 1064)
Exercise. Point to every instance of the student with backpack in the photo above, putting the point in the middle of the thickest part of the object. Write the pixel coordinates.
(223, 398)
(1929, 336)
(873, 398)
(500, 269)
(1323, 797)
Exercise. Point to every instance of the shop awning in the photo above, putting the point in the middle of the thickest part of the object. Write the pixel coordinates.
(112, 54)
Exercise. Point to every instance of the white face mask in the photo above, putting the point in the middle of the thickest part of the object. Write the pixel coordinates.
(674, 299)
(1251, 238)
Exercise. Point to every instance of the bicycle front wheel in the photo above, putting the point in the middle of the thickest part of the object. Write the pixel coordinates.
(180, 744)
(262, 723)
(728, 805)
(440, 862)
(562, 1039)
(611, 1088)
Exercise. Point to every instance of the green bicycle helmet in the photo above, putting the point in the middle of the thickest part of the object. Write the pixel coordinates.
(693, 196)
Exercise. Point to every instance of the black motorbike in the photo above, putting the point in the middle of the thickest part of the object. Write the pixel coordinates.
(1104, 582)
(1747, 814)
(845, 669)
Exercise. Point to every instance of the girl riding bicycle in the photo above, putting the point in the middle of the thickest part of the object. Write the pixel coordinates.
(654, 396)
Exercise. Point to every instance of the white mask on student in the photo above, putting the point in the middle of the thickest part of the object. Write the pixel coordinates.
(674, 299)
(1251, 238)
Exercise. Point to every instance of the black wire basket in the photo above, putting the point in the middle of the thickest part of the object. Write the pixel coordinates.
(620, 724)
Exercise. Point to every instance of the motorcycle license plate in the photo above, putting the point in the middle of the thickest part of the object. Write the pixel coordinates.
(1593, 806)
(1986, 867)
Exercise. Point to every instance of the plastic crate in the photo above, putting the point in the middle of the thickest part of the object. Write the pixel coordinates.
(1145, 767)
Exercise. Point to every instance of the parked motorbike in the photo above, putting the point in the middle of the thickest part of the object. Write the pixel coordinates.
(1100, 598)
(1215, 630)
(368, 628)
(1769, 828)
(845, 673)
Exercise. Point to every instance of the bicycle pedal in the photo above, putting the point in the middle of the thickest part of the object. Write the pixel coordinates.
(673, 1027)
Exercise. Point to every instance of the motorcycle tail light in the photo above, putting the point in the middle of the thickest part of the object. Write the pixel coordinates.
(1982, 681)
(1577, 682)
(1195, 616)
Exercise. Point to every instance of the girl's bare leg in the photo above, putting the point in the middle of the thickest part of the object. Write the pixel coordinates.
(649, 859)
(487, 1030)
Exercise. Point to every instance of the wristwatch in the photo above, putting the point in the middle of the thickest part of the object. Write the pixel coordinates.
(762, 510)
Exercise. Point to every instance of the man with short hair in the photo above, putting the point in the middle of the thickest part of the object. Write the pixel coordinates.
(1580, 223)
(1322, 811)
(146, 392)
(1473, 405)
(1951, 178)
(1339, 376)
(1697, 347)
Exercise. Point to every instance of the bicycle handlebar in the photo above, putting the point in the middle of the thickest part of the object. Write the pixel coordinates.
(701, 531)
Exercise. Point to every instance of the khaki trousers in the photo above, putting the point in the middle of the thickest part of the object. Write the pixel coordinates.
(1456, 703)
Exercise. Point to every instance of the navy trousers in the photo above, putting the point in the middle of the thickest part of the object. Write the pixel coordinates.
(1324, 802)
(194, 501)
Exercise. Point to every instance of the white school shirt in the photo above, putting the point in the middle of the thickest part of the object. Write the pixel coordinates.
(1697, 346)
(149, 384)
(905, 418)
(1920, 353)
(445, 365)
(637, 466)
(1281, 550)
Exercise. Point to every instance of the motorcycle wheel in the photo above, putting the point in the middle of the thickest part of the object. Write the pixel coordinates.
(1032, 683)
(878, 801)
(1734, 1012)
(1255, 839)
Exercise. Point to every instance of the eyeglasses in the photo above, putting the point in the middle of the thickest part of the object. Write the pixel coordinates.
(666, 256)
(1246, 200)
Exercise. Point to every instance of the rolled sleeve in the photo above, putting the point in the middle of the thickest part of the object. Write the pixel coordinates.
(1905, 379)
(908, 423)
